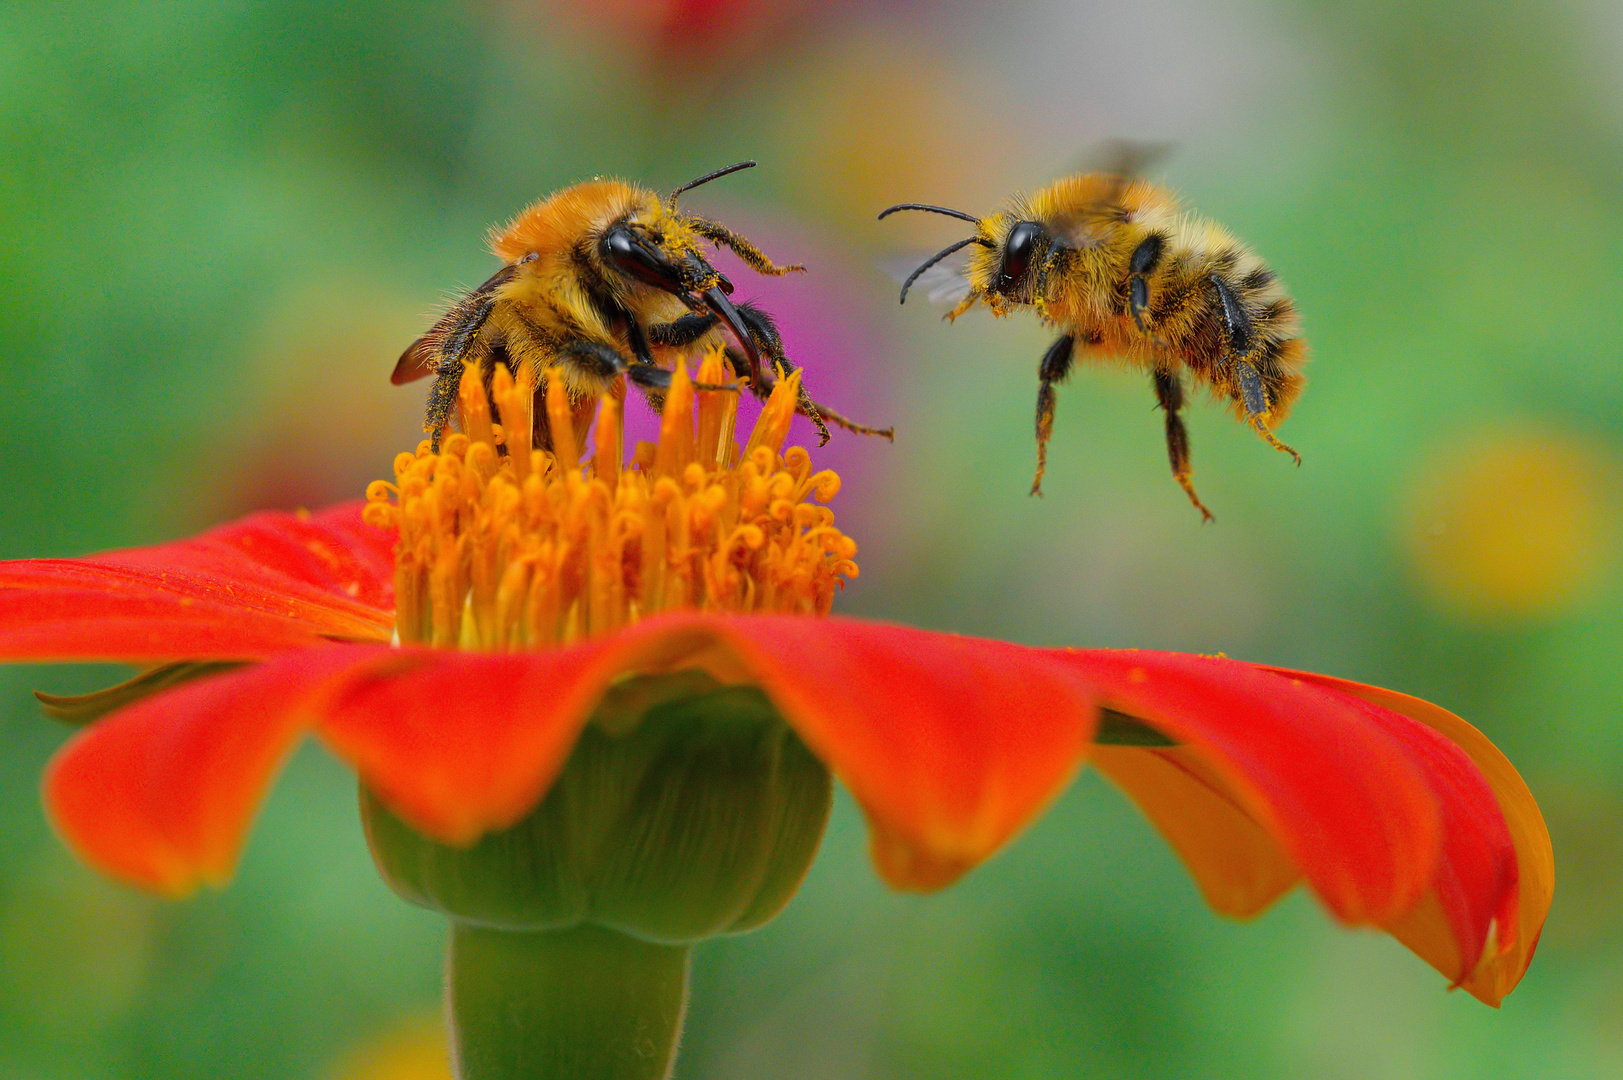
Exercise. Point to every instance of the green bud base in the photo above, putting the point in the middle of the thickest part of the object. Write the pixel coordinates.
(686, 810)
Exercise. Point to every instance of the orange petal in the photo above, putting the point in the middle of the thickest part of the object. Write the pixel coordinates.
(161, 794)
(248, 590)
(1474, 885)
(331, 557)
(1238, 864)
(1345, 800)
(1522, 919)
(459, 744)
(951, 745)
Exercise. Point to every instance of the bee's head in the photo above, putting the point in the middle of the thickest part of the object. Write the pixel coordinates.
(1003, 270)
(623, 245)
(655, 245)
(655, 248)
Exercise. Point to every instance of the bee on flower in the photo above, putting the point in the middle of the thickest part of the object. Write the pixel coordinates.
(595, 280)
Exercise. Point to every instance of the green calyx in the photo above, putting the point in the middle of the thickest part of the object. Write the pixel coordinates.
(686, 810)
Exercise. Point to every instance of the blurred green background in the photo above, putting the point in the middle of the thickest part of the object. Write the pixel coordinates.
(220, 222)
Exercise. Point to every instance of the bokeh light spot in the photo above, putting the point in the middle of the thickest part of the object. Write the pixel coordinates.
(1511, 524)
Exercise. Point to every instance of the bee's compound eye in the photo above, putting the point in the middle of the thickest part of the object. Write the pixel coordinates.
(620, 246)
(1017, 251)
(629, 255)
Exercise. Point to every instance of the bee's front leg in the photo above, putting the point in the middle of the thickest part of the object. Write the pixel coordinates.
(684, 331)
(679, 333)
(764, 331)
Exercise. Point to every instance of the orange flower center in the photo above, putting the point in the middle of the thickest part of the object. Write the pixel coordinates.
(506, 550)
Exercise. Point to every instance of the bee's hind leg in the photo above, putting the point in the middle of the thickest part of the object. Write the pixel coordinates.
(1241, 343)
(1169, 393)
(448, 375)
(1254, 397)
(1055, 366)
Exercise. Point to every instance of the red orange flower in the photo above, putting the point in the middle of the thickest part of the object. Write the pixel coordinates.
(1396, 813)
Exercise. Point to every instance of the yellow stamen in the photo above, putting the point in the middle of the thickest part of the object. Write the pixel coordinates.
(505, 546)
(772, 427)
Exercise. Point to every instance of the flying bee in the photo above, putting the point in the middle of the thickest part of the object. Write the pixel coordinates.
(595, 278)
(1118, 266)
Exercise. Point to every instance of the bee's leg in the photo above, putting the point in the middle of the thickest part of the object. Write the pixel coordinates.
(1169, 393)
(448, 372)
(765, 332)
(761, 327)
(654, 380)
(722, 236)
(441, 398)
(690, 328)
(593, 360)
(810, 409)
(685, 330)
(1254, 396)
(1145, 256)
(1055, 366)
(963, 305)
(1039, 289)
(1253, 392)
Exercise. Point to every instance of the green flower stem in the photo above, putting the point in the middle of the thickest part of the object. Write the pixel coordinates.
(581, 1004)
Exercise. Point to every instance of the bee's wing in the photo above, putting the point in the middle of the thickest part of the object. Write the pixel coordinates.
(451, 335)
(945, 284)
(417, 361)
(1126, 158)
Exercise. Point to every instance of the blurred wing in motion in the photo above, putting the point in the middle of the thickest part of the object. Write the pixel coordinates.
(1123, 160)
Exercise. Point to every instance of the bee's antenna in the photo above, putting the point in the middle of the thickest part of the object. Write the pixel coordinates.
(959, 214)
(707, 177)
(937, 257)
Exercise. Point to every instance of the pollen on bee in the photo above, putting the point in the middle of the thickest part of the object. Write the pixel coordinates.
(503, 546)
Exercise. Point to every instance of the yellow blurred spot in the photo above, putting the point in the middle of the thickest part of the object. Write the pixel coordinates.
(416, 1049)
(1511, 524)
(880, 120)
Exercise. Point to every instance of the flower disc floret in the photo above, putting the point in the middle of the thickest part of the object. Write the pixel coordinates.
(508, 547)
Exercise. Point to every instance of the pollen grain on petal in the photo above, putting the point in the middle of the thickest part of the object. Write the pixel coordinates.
(505, 546)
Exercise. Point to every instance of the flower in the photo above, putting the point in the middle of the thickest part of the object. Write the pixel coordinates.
(453, 637)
